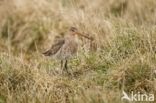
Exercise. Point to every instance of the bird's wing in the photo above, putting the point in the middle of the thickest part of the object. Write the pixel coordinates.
(58, 43)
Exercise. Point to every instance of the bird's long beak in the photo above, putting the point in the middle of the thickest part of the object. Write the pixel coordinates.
(80, 34)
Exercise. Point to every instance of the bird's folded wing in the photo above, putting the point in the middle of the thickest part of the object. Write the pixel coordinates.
(59, 42)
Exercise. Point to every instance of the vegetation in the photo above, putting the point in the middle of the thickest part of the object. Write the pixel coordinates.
(122, 56)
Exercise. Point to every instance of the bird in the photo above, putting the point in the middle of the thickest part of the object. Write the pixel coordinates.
(64, 48)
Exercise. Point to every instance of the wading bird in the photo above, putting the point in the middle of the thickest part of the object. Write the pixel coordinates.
(65, 48)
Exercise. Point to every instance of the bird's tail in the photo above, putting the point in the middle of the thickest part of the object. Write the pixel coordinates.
(47, 53)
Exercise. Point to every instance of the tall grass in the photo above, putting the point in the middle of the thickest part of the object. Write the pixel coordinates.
(122, 56)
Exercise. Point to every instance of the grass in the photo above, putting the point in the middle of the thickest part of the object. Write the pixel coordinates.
(122, 56)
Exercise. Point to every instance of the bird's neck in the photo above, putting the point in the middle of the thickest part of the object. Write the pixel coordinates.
(72, 35)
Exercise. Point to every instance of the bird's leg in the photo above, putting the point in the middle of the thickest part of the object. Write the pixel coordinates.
(66, 66)
(62, 66)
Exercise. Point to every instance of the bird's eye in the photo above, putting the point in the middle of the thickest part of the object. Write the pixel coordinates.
(73, 29)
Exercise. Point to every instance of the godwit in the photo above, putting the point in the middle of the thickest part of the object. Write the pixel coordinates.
(65, 48)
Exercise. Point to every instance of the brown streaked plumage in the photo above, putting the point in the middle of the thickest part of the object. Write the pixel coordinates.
(65, 48)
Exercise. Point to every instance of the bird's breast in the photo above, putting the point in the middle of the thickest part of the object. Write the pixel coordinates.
(72, 46)
(69, 49)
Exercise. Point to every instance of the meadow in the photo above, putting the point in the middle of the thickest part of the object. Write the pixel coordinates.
(122, 56)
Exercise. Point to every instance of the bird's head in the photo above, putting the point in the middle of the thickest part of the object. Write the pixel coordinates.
(74, 31)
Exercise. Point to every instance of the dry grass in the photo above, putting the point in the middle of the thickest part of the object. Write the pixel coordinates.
(125, 57)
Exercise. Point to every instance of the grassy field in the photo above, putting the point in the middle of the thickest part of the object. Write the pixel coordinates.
(122, 56)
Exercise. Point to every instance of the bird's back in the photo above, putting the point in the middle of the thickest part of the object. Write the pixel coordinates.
(58, 43)
(63, 48)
